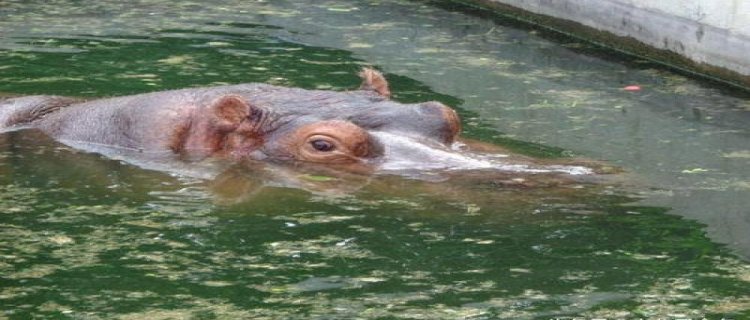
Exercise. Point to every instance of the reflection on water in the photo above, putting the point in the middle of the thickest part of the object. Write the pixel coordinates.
(406, 154)
(83, 236)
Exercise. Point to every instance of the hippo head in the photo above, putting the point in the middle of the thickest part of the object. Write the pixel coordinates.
(360, 129)
(356, 130)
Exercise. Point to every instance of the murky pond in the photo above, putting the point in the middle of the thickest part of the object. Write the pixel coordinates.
(86, 237)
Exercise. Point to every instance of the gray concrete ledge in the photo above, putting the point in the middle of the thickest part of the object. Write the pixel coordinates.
(705, 36)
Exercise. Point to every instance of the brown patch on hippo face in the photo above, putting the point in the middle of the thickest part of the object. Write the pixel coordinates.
(239, 125)
(331, 142)
(229, 112)
(373, 80)
(231, 126)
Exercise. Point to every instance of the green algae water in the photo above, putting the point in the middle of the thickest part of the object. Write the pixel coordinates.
(87, 237)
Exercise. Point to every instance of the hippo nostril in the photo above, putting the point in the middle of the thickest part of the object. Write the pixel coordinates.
(451, 122)
(454, 122)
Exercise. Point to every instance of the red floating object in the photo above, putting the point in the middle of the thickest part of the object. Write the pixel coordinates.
(632, 88)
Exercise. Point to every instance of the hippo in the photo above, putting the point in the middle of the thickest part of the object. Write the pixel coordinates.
(360, 131)
(244, 121)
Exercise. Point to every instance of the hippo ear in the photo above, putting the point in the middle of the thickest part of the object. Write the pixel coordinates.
(230, 110)
(373, 80)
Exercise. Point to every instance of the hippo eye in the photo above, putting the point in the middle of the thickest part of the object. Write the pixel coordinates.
(322, 145)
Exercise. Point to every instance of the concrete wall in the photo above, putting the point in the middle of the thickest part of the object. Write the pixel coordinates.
(713, 34)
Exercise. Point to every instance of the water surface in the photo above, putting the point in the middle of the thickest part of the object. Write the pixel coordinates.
(83, 236)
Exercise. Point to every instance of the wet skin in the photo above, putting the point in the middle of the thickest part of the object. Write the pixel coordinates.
(246, 121)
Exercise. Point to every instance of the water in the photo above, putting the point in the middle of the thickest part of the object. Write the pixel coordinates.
(83, 236)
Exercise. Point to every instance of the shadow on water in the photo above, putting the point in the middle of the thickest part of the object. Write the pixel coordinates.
(84, 236)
